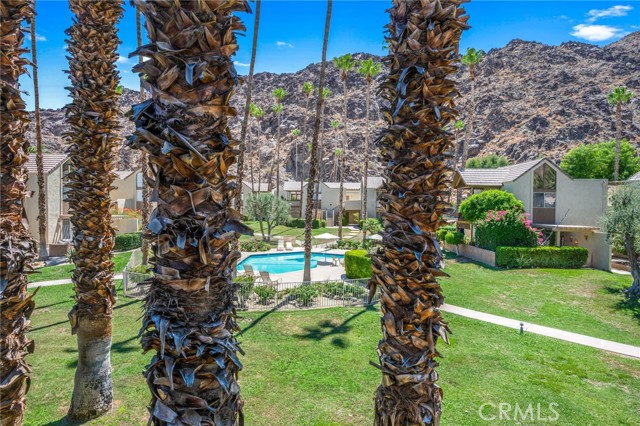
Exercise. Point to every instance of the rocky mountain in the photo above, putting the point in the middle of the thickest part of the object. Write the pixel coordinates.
(531, 100)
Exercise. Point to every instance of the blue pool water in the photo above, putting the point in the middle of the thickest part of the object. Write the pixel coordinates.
(279, 263)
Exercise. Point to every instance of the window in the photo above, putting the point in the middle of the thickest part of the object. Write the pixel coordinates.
(544, 187)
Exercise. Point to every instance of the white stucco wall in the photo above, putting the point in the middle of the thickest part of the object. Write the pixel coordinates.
(53, 183)
(583, 201)
(125, 189)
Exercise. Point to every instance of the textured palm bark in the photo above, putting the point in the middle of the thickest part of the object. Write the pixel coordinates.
(313, 167)
(245, 119)
(423, 39)
(93, 119)
(189, 316)
(616, 166)
(43, 251)
(17, 248)
(344, 152)
(365, 167)
(306, 142)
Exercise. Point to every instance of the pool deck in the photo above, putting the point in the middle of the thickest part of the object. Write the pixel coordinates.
(319, 273)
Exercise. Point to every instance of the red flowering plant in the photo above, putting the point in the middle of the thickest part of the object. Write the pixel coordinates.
(506, 228)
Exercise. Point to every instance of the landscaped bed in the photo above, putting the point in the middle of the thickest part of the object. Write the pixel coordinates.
(308, 368)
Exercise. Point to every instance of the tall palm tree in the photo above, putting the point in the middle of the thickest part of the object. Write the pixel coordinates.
(313, 168)
(247, 104)
(279, 94)
(423, 39)
(458, 126)
(295, 133)
(307, 90)
(258, 114)
(326, 92)
(345, 64)
(189, 319)
(42, 194)
(93, 42)
(335, 125)
(618, 97)
(472, 58)
(17, 248)
(369, 69)
(144, 163)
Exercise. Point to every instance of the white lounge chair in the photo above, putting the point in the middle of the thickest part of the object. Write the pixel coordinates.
(280, 245)
(248, 271)
(266, 278)
(288, 246)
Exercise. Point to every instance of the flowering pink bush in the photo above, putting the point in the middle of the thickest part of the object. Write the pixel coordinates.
(507, 228)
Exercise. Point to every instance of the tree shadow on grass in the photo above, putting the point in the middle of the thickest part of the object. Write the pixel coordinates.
(65, 421)
(326, 328)
(625, 304)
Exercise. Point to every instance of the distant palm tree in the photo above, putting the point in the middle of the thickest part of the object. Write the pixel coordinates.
(472, 58)
(419, 93)
(618, 97)
(189, 322)
(93, 43)
(247, 104)
(458, 126)
(335, 125)
(278, 93)
(313, 169)
(345, 64)
(321, 148)
(295, 133)
(369, 69)
(17, 248)
(42, 194)
(307, 90)
(257, 114)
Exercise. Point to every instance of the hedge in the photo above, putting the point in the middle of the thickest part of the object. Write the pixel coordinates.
(316, 224)
(296, 223)
(454, 238)
(357, 264)
(541, 257)
(128, 241)
(441, 233)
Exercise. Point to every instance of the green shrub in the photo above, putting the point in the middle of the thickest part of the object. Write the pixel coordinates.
(141, 269)
(265, 294)
(318, 223)
(345, 220)
(351, 290)
(305, 293)
(357, 264)
(245, 284)
(541, 257)
(506, 228)
(441, 233)
(254, 245)
(477, 206)
(128, 241)
(296, 223)
(454, 238)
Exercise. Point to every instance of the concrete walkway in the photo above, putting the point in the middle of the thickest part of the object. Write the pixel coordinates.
(607, 345)
(60, 282)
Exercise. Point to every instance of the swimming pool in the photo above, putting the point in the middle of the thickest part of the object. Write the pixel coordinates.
(280, 263)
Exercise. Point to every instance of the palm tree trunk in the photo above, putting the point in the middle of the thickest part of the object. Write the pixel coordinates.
(416, 150)
(42, 194)
(366, 158)
(618, 141)
(17, 248)
(92, 142)
(313, 169)
(251, 165)
(189, 319)
(277, 164)
(144, 163)
(472, 113)
(320, 168)
(306, 142)
(342, 159)
(245, 119)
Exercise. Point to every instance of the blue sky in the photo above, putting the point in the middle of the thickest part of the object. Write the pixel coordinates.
(291, 33)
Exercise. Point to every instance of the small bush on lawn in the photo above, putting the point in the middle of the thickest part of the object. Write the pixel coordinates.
(317, 224)
(477, 206)
(506, 228)
(441, 233)
(128, 241)
(141, 269)
(296, 223)
(454, 238)
(357, 291)
(245, 283)
(254, 246)
(541, 257)
(357, 264)
(265, 294)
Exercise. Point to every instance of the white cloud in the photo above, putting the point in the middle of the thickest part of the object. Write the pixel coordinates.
(283, 44)
(614, 11)
(122, 60)
(596, 32)
(565, 18)
(240, 64)
(38, 37)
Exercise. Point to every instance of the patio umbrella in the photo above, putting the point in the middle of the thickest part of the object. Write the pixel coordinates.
(375, 237)
(326, 236)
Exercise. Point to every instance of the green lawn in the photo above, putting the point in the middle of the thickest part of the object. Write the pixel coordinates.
(61, 272)
(285, 231)
(584, 301)
(311, 368)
